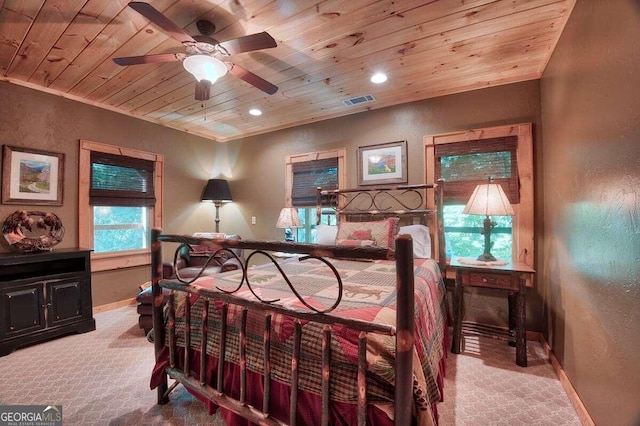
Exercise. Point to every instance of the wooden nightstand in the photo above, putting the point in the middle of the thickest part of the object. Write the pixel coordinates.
(513, 277)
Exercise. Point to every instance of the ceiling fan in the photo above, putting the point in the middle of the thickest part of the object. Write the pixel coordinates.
(205, 57)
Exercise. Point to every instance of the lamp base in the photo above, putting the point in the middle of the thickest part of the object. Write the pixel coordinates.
(487, 257)
(488, 227)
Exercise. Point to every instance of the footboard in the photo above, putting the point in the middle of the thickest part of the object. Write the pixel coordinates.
(228, 302)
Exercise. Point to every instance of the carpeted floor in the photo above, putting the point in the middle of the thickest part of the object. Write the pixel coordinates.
(102, 378)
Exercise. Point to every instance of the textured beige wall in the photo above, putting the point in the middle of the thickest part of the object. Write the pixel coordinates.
(590, 264)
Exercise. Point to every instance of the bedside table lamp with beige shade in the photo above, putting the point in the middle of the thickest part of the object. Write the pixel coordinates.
(289, 218)
(487, 200)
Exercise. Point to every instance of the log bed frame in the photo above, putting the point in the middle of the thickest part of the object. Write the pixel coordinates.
(403, 331)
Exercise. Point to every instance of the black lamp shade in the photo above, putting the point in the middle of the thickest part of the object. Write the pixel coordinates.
(217, 190)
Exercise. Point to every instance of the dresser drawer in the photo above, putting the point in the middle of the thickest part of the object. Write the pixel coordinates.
(482, 279)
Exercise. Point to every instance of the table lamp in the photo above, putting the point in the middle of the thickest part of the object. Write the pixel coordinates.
(288, 218)
(488, 200)
(218, 192)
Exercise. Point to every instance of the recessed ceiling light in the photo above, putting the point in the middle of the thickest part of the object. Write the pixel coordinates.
(378, 78)
(255, 111)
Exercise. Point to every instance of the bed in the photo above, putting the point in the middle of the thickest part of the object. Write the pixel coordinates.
(344, 333)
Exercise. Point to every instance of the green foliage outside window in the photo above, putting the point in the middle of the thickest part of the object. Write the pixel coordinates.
(120, 228)
(463, 237)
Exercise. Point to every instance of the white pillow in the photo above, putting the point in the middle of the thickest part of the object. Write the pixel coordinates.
(326, 234)
(213, 235)
(421, 240)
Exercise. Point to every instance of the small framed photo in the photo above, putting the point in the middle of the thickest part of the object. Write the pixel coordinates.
(382, 164)
(31, 176)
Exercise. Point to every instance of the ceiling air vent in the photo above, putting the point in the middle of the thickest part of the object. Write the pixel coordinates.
(358, 100)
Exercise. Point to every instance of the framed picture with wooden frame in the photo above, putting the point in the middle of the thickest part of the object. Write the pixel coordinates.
(30, 176)
(382, 164)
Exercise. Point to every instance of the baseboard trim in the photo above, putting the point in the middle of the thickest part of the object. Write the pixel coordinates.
(581, 410)
(114, 305)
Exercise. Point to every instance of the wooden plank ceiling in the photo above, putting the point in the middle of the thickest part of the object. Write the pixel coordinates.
(326, 52)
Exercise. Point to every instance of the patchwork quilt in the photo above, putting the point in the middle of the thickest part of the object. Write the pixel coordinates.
(369, 294)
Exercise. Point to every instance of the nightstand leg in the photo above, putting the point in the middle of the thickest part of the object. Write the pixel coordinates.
(521, 332)
(513, 295)
(458, 302)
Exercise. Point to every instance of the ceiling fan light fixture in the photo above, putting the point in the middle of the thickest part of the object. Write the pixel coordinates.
(205, 67)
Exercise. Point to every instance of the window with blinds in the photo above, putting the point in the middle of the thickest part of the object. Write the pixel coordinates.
(463, 166)
(118, 180)
(309, 175)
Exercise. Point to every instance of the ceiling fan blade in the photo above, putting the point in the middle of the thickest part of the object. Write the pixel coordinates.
(150, 59)
(205, 39)
(203, 89)
(253, 79)
(155, 16)
(248, 43)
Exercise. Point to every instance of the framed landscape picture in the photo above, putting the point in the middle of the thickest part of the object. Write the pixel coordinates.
(382, 164)
(30, 176)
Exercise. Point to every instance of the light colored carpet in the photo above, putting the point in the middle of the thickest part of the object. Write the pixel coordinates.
(484, 386)
(102, 378)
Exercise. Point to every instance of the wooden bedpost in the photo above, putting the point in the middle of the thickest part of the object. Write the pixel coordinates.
(404, 331)
(158, 320)
(442, 249)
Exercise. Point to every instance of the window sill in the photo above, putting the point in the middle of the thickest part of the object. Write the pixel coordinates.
(120, 260)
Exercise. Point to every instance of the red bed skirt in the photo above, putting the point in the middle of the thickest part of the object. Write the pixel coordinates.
(309, 404)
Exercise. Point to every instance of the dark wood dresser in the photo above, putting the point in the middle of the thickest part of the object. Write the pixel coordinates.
(44, 295)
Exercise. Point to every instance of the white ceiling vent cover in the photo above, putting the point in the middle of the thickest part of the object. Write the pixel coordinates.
(358, 100)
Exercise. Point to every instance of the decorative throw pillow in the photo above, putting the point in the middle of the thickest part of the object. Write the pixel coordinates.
(382, 232)
(361, 234)
(421, 240)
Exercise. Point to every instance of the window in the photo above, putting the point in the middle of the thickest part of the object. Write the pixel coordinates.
(308, 218)
(463, 166)
(304, 174)
(119, 228)
(464, 160)
(119, 202)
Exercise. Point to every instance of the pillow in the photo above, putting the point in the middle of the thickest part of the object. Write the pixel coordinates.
(326, 234)
(361, 234)
(355, 242)
(382, 232)
(212, 235)
(421, 240)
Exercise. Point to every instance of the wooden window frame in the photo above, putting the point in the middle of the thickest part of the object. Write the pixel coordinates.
(290, 160)
(120, 259)
(523, 220)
